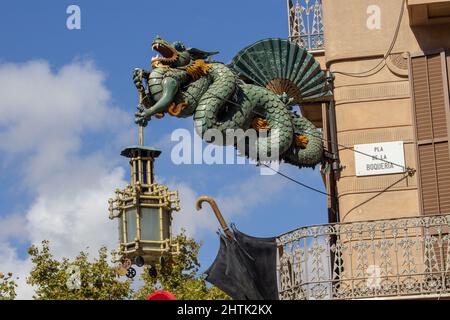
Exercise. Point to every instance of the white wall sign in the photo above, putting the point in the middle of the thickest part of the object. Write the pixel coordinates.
(387, 151)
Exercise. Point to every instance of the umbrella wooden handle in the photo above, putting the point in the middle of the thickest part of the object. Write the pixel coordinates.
(217, 212)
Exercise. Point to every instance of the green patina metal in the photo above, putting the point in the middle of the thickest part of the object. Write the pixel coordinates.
(263, 81)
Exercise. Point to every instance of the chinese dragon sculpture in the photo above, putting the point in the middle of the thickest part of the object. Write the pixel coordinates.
(258, 89)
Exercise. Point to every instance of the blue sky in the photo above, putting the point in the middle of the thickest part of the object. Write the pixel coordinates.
(115, 37)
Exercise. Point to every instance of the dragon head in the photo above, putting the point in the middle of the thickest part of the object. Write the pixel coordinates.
(176, 54)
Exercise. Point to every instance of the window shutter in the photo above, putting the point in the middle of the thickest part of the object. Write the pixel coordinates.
(429, 83)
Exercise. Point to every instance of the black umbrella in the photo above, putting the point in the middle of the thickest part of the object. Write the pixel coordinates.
(245, 266)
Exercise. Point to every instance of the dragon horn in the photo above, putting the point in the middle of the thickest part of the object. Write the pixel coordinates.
(200, 54)
(217, 212)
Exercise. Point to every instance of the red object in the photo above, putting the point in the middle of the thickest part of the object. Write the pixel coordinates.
(161, 295)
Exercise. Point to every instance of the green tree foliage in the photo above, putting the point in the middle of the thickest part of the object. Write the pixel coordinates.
(7, 287)
(57, 280)
(98, 280)
(180, 277)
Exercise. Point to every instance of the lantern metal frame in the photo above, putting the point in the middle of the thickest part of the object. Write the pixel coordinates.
(143, 192)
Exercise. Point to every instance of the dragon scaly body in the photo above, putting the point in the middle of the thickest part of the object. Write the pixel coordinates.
(183, 84)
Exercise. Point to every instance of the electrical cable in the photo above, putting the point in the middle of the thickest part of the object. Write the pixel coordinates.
(409, 170)
(278, 172)
(376, 195)
(316, 136)
(386, 55)
(296, 181)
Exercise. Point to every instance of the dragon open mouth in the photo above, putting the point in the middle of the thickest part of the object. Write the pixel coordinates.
(166, 54)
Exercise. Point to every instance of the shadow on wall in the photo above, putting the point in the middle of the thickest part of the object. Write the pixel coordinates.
(430, 37)
(430, 23)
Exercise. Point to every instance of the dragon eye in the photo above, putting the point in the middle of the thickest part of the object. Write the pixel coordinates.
(179, 46)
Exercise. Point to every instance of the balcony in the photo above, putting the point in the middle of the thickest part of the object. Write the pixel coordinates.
(305, 24)
(406, 258)
(428, 12)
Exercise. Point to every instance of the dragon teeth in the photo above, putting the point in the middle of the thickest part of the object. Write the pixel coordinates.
(156, 57)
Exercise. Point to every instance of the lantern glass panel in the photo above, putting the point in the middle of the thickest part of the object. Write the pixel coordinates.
(120, 221)
(166, 224)
(130, 215)
(144, 172)
(136, 172)
(150, 224)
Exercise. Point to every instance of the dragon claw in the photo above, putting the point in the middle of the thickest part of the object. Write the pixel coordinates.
(138, 75)
(141, 118)
(141, 108)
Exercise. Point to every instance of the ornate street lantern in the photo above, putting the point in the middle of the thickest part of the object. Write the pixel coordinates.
(144, 212)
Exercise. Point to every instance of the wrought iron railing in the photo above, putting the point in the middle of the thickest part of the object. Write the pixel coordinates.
(405, 257)
(305, 23)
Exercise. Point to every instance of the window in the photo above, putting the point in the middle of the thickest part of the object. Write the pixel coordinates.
(430, 96)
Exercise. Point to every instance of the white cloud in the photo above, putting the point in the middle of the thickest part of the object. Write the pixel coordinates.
(46, 120)
(188, 217)
(10, 262)
(13, 226)
(46, 117)
(76, 219)
(39, 107)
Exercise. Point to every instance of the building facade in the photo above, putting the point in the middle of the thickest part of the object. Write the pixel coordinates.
(388, 132)
(390, 63)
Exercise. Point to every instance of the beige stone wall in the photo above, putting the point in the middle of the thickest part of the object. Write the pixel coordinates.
(347, 35)
(376, 107)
